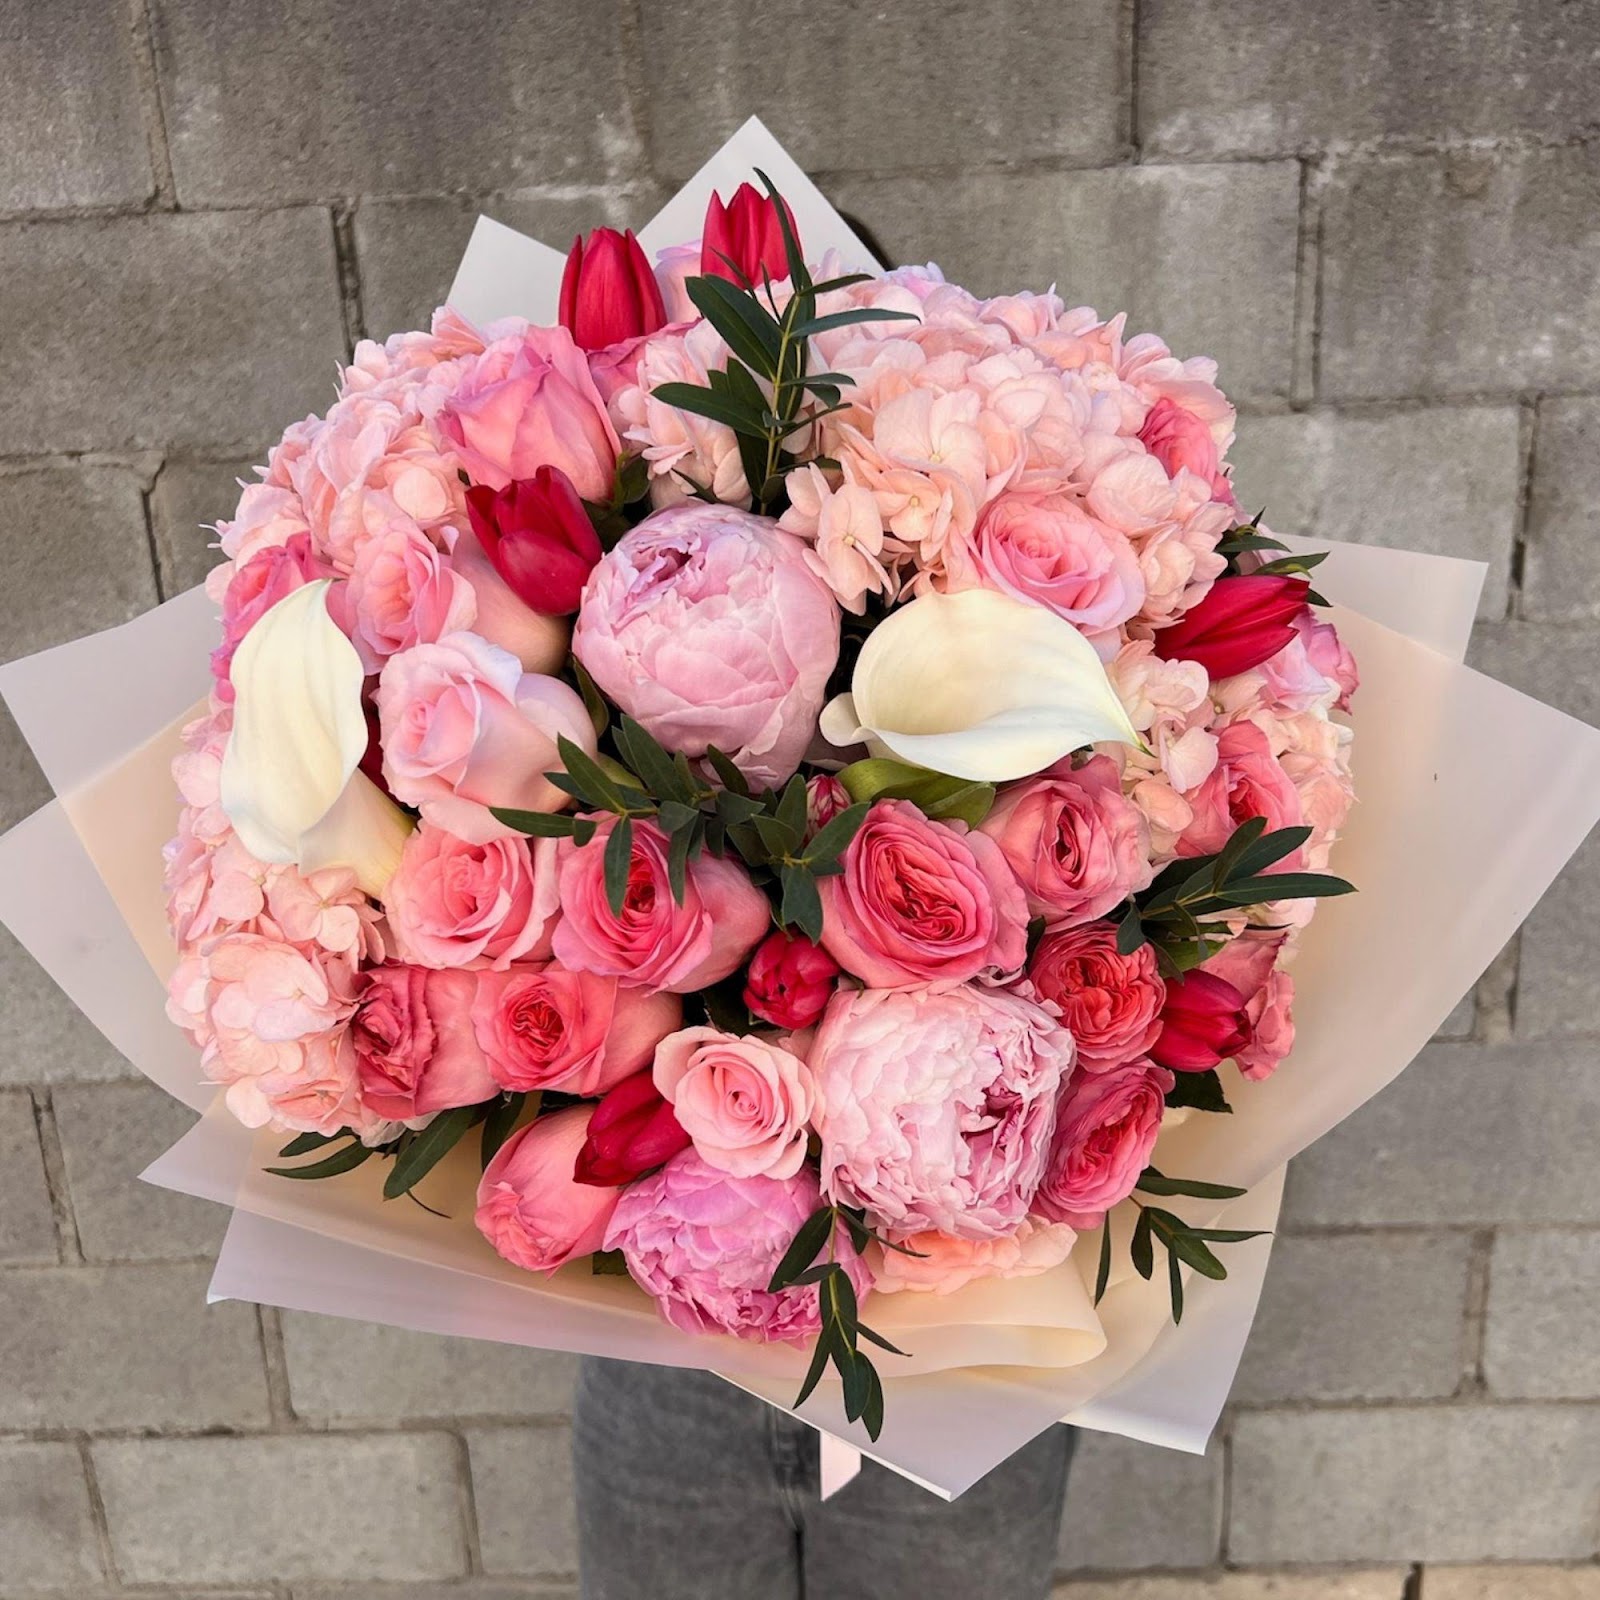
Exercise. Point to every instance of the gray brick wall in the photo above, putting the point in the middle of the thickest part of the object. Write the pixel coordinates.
(1379, 217)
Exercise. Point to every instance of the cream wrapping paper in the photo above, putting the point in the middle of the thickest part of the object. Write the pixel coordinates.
(1471, 798)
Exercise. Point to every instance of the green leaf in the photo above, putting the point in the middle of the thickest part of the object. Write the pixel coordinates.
(828, 285)
(1200, 1091)
(654, 766)
(878, 1339)
(424, 1152)
(593, 701)
(935, 794)
(843, 319)
(539, 824)
(813, 1234)
(1282, 886)
(747, 327)
(728, 774)
(872, 1407)
(618, 861)
(346, 1160)
(1229, 1235)
(1239, 841)
(1247, 539)
(1175, 1286)
(1290, 566)
(303, 1144)
(802, 904)
(1130, 931)
(608, 1264)
(1141, 1251)
(798, 275)
(705, 402)
(725, 1007)
(1269, 850)
(1193, 1253)
(1103, 1276)
(779, 838)
(736, 808)
(1153, 1182)
(596, 785)
(497, 1126)
(792, 806)
(819, 1364)
(833, 837)
(853, 1369)
(679, 848)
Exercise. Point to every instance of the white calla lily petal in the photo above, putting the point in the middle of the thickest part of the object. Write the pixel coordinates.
(290, 784)
(977, 685)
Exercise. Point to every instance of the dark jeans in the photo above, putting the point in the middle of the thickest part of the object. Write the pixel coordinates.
(690, 1489)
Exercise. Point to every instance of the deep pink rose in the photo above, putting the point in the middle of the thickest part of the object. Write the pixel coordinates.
(451, 903)
(790, 980)
(1046, 548)
(656, 942)
(1105, 1130)
(920, 901)
(1110, 1003)
(257, 585)
(1250, 964)
(1246, 782)
(705, 1243)
(528, 402)
(403, 591)
(465, 728)
(543, 1027)
(530, 1206)
(706, 625)
(1076, 843)
(414, 1042)
(1181, 440)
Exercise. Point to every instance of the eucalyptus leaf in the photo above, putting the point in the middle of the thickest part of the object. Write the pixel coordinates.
(498, 1124)
(812, 1235)
(346, 1160)
(1199, 1091)
(802, 904)
(538, 824)
(618, 863)
(425, 1152)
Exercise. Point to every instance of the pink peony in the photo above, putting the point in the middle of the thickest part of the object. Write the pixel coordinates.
(920, 901)
(705, 624)
(528, 402)
(1078, 846)
(455, 904)
(936, 1105)
(1110, 1003)
(1250, 964)
(1105, 1131)
(543, 1027)
(705, 1243)
(745, 1103)
(531, 1208)
(414, 1044)
(403, 592)
(656, 942)
(944, 1264)
(465, 728)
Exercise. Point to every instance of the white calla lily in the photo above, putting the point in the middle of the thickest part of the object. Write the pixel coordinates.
(978, 685)
(290, 784)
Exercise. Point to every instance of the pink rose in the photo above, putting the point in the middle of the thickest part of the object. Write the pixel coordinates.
(656, 942)
(531, 1208)
(1246, 782)
(706, 625)
(936, 1105)
(1078, 846)
(1046, 548)
(745, 1103)
(1250, 964)
(919, 901)
(1329, 654)
(944, 1264)
(414, 1044)
(704, 1243)
(403, 592)
(528, 402)
(1110, 1003)
(465, 728)
(543, 1027)
(452, 903)
(1181, 440)
(257, 585)
(1105, 1132)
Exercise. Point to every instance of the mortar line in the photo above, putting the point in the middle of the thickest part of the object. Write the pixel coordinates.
(152, 112)
(1530, 412)
(1474, 1382)
(352, 312)
(69, 1243)
(1133, 16)
(280, 1398)
(97, 1512)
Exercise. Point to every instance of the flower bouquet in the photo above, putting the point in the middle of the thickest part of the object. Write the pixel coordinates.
(764, 813)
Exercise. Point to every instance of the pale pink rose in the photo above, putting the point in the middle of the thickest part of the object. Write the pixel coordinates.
(268, 515)
(919, 901)
(543, 1027)
(531, 1208)
(1046, 548)
(705, 624)
(675, 265)
(944, 1264)
(1077, 846)
(936, 1105)
(1248, 781)
(1181, 440)
(452, 903)
(745, 1103)
(403, 592)
(1110, 1003)
(255, 587)
(656, 942)
(528, 402)
(704, 1243)
(1250, 964)
(414, 1045)
(1165, 811)
(464, 728)
(1105, 1132)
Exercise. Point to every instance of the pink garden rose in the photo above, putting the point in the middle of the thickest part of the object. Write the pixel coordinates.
(414, 1043)
(455, 904)
(706, 625)
(465, 728)
(531, 1208)
(1077, 845)
(543, 1027)
(529, 402)
(937, 1105)
(403, 591)
(920, 901)
(944, 1264)
(1110, 1003)
(1246, 782)
(1181, 439)
(1250, 964)
(705, 1243)
(1048, 549)
(745, 1103)
(656, 942)
(1105, 1131)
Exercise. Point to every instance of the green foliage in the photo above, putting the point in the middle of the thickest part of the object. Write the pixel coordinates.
(935, 794)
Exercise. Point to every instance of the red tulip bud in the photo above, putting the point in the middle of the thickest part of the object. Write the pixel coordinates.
(539, 537)
(633, 1131)
(1203, 1023)
(1241, 623)
(790, 981)
(608, 292)
(745, 231)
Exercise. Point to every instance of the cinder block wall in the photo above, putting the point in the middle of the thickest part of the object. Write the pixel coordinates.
(1380, 217)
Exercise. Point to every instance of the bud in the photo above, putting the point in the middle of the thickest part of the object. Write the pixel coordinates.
(1240, 623)
(608, 291)
(1203, 1022)
(539, 537)
(633, 1131)
(746, 231)
(790, 981)
(826, 797)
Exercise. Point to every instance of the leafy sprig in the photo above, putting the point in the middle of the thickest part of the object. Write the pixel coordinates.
(1248, 540)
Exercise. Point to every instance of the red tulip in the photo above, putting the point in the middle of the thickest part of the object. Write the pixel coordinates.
(747, 232)
(633, 1131)
(1203, 1023)
(608, 292)
(790, 981)
(1241, 623)
(539, 537)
